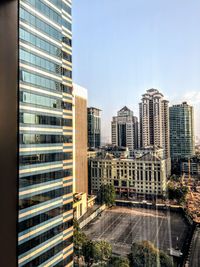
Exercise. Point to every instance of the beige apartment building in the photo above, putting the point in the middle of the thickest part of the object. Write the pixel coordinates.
(145, 175)
(154, 123)
(80, 183)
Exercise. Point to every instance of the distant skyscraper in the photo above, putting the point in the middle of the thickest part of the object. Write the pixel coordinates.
(94, 127)
(36, 79)
(182, 140)
(154, 122)
(125, 129)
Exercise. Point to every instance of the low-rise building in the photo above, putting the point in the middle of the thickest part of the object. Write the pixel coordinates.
(80, 205)
(145, 175)
(91, 201)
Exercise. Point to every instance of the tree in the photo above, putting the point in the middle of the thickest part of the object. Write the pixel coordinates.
(146, 254)
(143, 254)
(102, 251)
(79, 238)
(99, 251)
(179, 193)
(88, 252)
(118, 262)
(76, 225)
(106, 194)
(165, 261)
(175, 178)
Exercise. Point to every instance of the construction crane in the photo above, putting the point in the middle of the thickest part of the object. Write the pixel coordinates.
(183, 179)
(189, 181)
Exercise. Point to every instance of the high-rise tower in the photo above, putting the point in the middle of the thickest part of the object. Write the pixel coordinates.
(38, 47)
(80, 139)
(154, 122)
(125, 129)
(181, 131)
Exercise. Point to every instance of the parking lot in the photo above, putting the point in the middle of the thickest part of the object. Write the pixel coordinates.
(122, 226)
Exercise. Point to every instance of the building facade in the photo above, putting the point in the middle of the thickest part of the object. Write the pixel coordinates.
(94, 127)
(145, 175)
(80, 140)
(182, 138)
(80, 205)
(44, 226)
(125, 129)
(80, 185)
(154, 123)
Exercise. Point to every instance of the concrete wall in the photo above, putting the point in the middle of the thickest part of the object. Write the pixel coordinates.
(92, 216)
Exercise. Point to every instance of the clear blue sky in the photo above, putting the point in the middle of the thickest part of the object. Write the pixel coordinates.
(123, 47)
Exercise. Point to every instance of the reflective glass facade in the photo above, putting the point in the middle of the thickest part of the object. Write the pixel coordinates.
(45, 219)
(182, 143)
(94, 127)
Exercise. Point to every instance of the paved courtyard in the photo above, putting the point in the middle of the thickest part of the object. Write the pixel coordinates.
(122, 226)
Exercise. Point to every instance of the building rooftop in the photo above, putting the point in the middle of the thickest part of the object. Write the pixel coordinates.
(125, 111)
(183, 104)
(93, 108)
(145, 157)
(151, 147)
(115, 148)
(148, 157)
(80, 91)
(125, 108)
(152, 92)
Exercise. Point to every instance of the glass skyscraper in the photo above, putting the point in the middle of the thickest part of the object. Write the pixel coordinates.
(44, 129)
(181, 131)
(94, 127)
(124, 129)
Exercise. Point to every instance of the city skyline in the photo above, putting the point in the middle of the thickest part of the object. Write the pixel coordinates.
(113, 181)
(169, 62)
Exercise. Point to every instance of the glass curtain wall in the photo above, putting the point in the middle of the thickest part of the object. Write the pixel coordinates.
(45, 219)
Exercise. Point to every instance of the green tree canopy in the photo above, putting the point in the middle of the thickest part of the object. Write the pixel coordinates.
(179, 192)
(102, 251)
(97, 251)
(76, 225)
(146, 254)
(88, 252)
(79, 238)
(118, 262)
(106, 194)
(165, 261)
